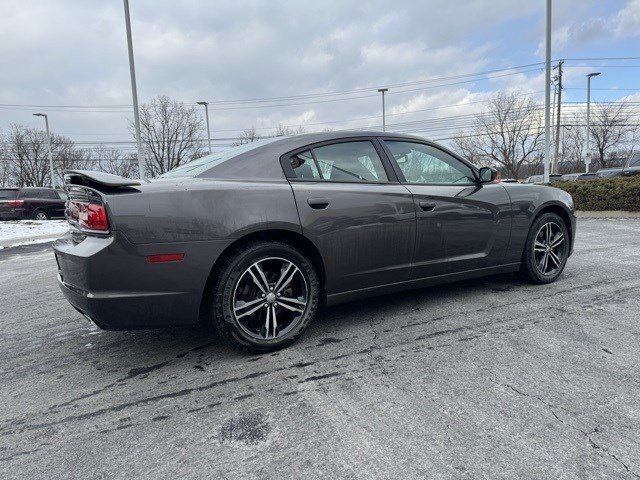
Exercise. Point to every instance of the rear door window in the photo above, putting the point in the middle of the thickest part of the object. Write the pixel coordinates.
(350, 162)
(8, 194)
(49, 194)
(304, 165)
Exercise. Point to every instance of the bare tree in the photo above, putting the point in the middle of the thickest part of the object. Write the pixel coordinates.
(250, 135)
(283, 131)
(67, 156)
(111, 160)
(247, 136)
(508, 134)
(170, 133)
(26, 148)
(612, 128)
(573, 147)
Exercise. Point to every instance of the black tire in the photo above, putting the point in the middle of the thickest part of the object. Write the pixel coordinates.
(532, 259)
(40, 215)
(221, 298)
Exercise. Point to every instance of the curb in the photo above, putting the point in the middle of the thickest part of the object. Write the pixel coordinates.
(608, 214)
(33, 240)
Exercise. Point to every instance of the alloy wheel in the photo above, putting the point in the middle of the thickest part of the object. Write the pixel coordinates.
(270, 298)
(549, 248)
(41, 216)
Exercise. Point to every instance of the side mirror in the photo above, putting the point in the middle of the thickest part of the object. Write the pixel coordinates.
(488, 174)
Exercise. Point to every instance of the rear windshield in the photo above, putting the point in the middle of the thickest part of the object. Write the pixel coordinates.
(203, 164)
(8, 194)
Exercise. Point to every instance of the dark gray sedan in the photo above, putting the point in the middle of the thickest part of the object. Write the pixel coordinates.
(256, 239)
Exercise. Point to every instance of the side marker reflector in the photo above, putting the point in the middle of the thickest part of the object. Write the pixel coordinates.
(165, 257)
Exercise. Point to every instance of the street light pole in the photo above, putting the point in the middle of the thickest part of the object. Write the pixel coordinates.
(587, 160)
(547, 98)
(46, 123)
(206, 113)
(384, 120)
(134, 89)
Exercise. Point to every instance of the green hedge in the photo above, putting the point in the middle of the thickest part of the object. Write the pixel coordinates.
(605, 194)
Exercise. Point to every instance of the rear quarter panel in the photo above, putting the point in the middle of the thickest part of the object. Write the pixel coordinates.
(201, 210)
(198, 217)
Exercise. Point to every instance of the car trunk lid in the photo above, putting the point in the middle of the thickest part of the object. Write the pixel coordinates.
(86, 208)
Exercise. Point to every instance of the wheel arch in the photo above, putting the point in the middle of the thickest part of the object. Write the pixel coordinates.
(559, 209)
(293, 238)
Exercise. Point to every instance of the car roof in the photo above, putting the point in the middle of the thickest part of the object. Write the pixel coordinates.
(263, 162)
(293, 142)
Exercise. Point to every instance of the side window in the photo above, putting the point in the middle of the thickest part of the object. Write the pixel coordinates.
(304, 166)
(38, 193)
(48, 194)
(62, 195)
(350, 162)
(8, 194)
(426, 164)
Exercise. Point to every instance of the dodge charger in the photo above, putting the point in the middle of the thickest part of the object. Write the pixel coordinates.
(254, 240)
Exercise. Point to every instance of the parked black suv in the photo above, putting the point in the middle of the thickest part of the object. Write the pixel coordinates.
(39, 203)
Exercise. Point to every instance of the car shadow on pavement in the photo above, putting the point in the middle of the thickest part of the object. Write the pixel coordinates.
(180, 342)
(399, 303)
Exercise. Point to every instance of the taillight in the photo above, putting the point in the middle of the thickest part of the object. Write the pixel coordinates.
(16, 203)
(91, 217)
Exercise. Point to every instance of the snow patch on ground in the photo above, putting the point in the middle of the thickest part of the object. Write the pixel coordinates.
(26, 232)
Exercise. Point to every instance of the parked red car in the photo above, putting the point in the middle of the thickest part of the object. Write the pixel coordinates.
(38, 203)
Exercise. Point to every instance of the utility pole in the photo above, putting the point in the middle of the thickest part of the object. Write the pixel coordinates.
(50, 155)
(547, 97)
(384, 120)
(206, 113)
(553, 108)
(554, 168)
(587, 160)
(134, 89)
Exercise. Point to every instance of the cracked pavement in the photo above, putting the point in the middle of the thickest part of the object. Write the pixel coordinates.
(489, 378)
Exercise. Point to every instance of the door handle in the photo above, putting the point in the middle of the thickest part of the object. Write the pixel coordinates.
(426, 206)
(318, 203)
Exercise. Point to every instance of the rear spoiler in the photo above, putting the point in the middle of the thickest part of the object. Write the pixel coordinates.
(92, 178)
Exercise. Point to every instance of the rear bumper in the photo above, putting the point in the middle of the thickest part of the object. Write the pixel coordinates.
(126, 311)
(18, 213)
(10, 215)
(109, 281)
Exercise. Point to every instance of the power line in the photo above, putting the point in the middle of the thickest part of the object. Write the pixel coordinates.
(85, 109)
(452, 121)
(346, 92)
(590, 59)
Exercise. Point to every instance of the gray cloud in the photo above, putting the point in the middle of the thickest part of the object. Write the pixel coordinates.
(74, 52)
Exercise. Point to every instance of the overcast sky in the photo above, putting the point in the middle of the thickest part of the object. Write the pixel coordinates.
(73, 53)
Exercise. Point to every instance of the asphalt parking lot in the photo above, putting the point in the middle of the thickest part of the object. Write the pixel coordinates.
(490, 378)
